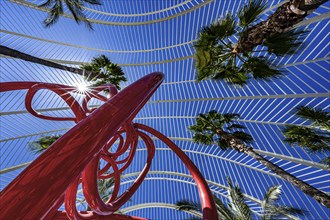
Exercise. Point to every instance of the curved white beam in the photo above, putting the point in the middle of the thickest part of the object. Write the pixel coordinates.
(156, 205)
(279, 156)
(95, 21)
(218, 185)
(138, 15)
(94, 49)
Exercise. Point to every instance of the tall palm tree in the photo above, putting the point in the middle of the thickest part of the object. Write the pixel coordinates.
(214, 127)
(316, 138)
(76, 7)
(100, 70)
(43, 143)
(237, 209)
(221, 56)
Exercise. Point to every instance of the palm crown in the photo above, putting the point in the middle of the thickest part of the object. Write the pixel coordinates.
(103, 71)
(76, 8)
(214, 127)
(43, 143)
(218, 57)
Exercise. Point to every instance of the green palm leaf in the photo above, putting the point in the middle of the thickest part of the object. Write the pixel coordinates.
(54, 14)
(242, 136)
(260, 68)
(74, 6)
(219, 30)
(235, 126)
(279, 212)
(326, 161)
(317, 116)
(203, 138)
(223, 144)
(284, 43)
(186, 205)
(230, 73)
(308, 138)
(250, 12)
(237, 204)
(272, 195)
(43, 143)
(229, 117)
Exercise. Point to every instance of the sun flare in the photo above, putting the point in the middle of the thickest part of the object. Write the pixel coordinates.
(82, 87)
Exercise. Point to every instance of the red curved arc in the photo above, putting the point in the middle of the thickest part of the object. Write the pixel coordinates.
(70, 101)
(70, 204)
(208, 205)
(130, 136)
(129, 192)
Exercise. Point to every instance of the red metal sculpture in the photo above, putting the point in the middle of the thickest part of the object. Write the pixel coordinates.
(53, 178)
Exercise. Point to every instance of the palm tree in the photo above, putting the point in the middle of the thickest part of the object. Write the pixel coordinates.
(43, 143)
(316, 138)
(76, 8)
(237, 209)
(219, 56)
(214, 127)
(101, 70)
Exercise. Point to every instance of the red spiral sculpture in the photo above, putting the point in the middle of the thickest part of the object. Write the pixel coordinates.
(53, 178)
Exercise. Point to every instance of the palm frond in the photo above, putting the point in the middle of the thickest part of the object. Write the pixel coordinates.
(46, 4)
(228, 117)
(54, 14)
(104, 187)
(223, 212)
(74, 6)
(219, 30)
(242, 136)
(250, 12)
(186, 205)
(93, 2)
(201, 138)
(277, 212)
(235, 126)
(317, 116)
(285, 43)
(223, 144)
(326, 161)
(43, 143)
(215, 65)
(307, 138)
(260, 68)
(240, 209)
(272, 195)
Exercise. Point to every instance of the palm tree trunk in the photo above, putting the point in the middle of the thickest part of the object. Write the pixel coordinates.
(318, 195)
(23, 56)
(284, 18)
